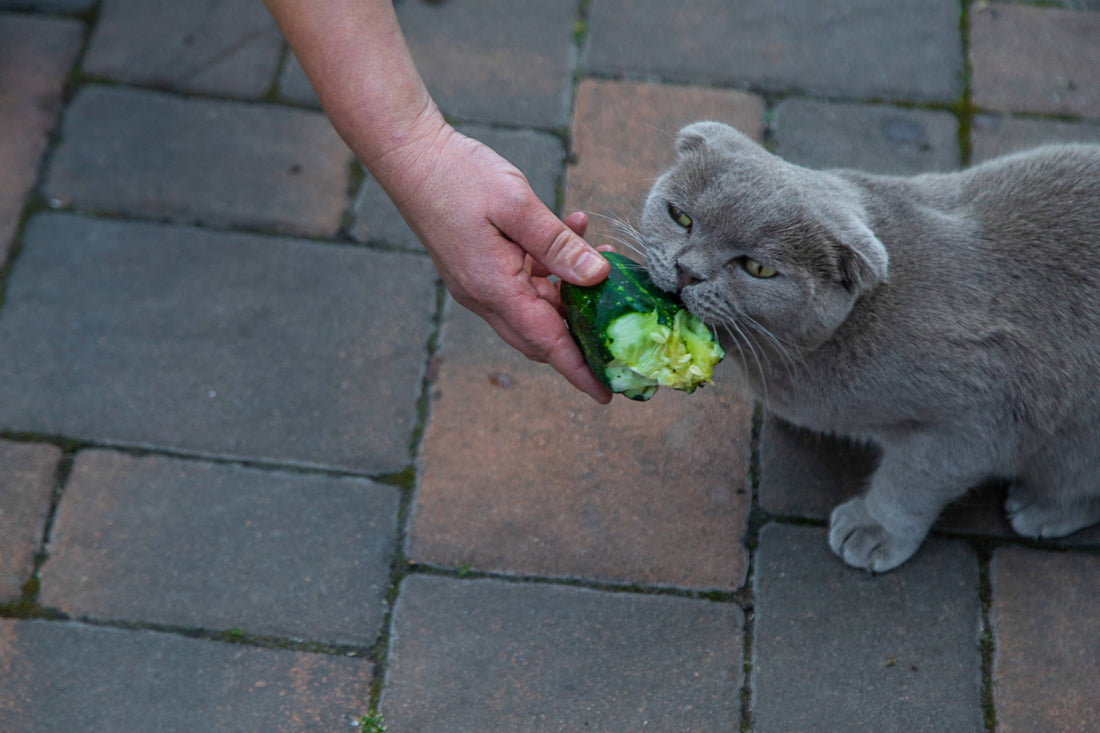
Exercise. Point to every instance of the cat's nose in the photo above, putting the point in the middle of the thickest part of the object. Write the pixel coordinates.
(687, 276)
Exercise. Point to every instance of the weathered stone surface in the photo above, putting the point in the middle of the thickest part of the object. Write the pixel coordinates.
(875, 138)
(1046, 673)
(485, 61)
(1032, 59)
(624, 136)
(907, 50)
(538, 155)
(199, 545)
(520, 473)
(59, 676)
(26, 486)
(485, 655)
(229, 47)
(35, 57)
(228, 344)
(890, 652)
(998, 135)
(221, 163)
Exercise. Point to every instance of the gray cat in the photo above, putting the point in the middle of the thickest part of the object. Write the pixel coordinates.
(951, 319)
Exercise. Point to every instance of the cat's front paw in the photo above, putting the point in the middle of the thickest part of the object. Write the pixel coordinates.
(862, 542)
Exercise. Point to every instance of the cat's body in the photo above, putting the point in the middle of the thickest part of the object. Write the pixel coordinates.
(951, 319)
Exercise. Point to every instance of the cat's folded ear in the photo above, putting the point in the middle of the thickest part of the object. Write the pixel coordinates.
(695, 137)
(864, 262)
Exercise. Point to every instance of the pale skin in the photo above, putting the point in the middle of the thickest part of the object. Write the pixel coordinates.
(491, 239)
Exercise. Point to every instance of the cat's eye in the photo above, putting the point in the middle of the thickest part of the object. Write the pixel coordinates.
(679, 216)
(756, 269)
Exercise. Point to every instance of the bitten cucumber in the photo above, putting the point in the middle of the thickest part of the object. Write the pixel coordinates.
(636, 337)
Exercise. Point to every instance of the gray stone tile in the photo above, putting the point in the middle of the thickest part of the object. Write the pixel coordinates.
(1046, 673)
(65, 676)
(486, 655)
(538, 155)
(521, 473)
(294, 86)
(836, 649)
(995, 135)
(870, 137)
(907, 50)
(26, 487)
(227, 344)
(65, 6)
(1035, 59)
(229, 47)
(36, 55)
(222, 163)
(199, 545)
(488, 61)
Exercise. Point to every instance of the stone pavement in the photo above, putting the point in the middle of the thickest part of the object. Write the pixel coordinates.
(258, 473)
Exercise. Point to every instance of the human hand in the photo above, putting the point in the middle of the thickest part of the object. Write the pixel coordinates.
(495, 245)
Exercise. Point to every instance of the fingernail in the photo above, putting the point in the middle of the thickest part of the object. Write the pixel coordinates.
(588, 265)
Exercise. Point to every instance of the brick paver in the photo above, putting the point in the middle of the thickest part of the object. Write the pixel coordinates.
(840, 650)
(228, 344)
(155, 155)
(35, 55)
(906, 50)
(233, 408)
(198, 545)
(228, 48)
(522, 474)
(489, 655)
(26, 484)
(876, 138)
(624, 136)
(1047, 670)
(1061, 74)
(102, 680)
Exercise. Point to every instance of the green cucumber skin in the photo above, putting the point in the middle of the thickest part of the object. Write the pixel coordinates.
(589, 310)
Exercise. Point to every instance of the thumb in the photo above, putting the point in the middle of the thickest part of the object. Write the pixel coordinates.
(554, 245)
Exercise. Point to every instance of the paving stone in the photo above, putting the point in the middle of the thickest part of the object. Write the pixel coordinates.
(26, 487)
(906, 50)
(1062, 70)
(200, 545)
(538, 155)
(294, 86)
(521, 473)
(871, 137)
(1046, 672)
(481, 655)
(35, 57)
(224, 47)
(221, 163)
(60, 676)
(624, 135)
(227, 344)
(881, 653)
(69, 6)
(995, 135)
(485, 61)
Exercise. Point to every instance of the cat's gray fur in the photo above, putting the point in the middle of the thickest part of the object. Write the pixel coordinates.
(951, 319)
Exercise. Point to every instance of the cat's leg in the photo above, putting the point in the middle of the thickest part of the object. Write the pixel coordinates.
(915, 480)
(1059, 494)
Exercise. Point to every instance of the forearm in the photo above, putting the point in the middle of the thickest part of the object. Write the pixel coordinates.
(356, 59)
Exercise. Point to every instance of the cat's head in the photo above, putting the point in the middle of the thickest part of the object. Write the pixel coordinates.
(754, 243)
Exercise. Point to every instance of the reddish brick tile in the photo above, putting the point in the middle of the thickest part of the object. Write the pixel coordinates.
(35, 56)
(1046, 674)
(1031, 59)
(523, 474)
(230, 47)
(26, 483)
(623, 136)
(60, 675)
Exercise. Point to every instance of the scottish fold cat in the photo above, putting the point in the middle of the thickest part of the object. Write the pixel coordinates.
(951, 319)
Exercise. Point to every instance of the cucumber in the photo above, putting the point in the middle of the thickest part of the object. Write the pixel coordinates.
(635, 336)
